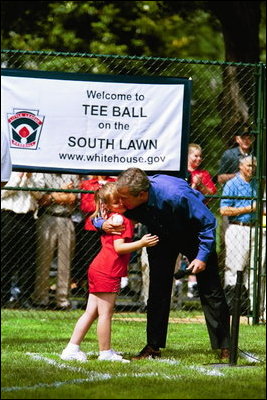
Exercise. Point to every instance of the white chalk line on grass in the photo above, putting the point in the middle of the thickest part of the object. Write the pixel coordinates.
(44, 385)
(96, 376)
(203, 370)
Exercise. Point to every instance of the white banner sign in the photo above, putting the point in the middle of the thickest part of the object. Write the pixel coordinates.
(75, 123)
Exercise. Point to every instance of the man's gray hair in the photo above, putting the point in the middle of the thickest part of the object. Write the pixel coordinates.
(134, 179)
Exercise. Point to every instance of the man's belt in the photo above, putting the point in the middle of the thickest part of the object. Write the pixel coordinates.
(242, 223)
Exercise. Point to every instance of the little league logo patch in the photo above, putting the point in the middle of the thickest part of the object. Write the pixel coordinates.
(25, 128)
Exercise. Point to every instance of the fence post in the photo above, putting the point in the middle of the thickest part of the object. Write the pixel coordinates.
(235, 319)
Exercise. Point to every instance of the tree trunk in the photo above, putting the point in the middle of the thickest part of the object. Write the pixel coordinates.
(240, 26)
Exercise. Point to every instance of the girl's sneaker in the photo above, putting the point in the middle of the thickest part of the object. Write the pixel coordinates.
(116, 352)
(112, 356)
(68, 355)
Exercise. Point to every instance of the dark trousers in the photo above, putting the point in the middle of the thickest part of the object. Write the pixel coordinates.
(162, 260)
(18, 253)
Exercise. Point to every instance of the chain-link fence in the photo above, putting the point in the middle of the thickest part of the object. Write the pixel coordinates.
(46, 251)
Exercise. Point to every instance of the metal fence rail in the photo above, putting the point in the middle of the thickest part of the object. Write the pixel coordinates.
(225, 96)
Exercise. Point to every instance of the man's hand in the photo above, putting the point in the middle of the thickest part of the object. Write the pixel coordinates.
(108, 227)
(196, 266)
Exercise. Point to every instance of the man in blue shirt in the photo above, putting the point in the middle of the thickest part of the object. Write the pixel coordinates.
(240, 232)
(174, 211)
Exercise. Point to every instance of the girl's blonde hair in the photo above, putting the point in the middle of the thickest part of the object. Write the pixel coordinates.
(194, 146)
(103, 198)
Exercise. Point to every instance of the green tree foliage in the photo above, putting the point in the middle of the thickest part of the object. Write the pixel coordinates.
(139, 28)
(193, 30)
(196, 30)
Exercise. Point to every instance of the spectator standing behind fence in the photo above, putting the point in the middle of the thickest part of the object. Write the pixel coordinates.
(201, 180)
(240, 233)
(88, 241)
(175, 212)
(229, 163)
(55, 230)
(6, 166)
(229, 166)
(104, 275)
(18, 239)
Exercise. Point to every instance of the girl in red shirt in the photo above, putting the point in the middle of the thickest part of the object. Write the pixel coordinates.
(104, 276)
(200, 179)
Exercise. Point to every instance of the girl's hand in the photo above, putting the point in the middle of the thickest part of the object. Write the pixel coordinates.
(196, 179)
(149, 240)
(196, 182)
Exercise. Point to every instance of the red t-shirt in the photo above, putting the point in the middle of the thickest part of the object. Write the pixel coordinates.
(107, 260)
(205, 178)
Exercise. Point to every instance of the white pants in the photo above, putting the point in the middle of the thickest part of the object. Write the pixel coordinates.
(240, 250)
(145, 276)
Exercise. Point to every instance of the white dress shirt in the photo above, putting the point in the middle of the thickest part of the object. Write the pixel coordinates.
(22, 201)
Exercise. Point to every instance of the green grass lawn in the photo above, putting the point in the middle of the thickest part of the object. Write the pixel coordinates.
(32, 369)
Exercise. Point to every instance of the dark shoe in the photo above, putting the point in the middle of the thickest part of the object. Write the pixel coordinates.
(225, 354)
(40, 306)
(12, 303)
(26, 304)
(142, 308)
(147, 352)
